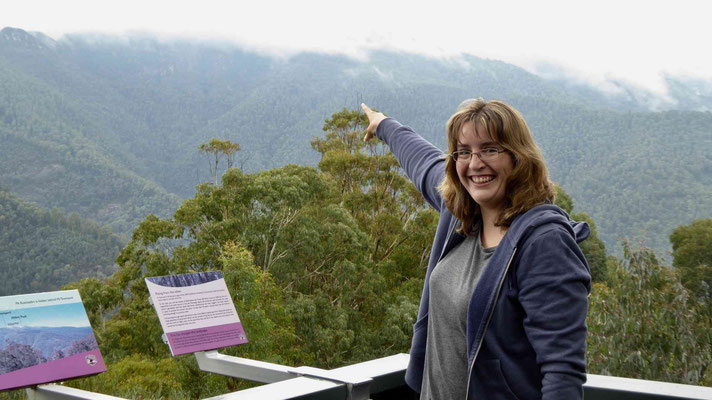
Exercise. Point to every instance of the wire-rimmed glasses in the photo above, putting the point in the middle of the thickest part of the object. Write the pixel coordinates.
(486, 154)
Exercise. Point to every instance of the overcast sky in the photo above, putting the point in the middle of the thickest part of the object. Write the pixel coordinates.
(594, 40)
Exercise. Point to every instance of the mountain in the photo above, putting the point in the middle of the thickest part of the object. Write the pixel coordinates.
(109, 127)
(690, 93)
(684, 93)
(61, 148)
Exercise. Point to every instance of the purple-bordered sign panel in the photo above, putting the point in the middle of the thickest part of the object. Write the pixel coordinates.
(196, 312)
(45, 337)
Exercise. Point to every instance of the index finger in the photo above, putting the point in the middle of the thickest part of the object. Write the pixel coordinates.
(366, 109)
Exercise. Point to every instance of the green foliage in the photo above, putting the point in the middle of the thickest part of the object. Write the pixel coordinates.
(42, 250)
(563, 199)
(261, 304)
(642, 324)
(593, 248)
(216, 149)
(99, 298)
(692, 257)
(374, 191)
(136, 376)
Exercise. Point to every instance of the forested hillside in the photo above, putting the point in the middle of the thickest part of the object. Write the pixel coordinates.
(43, 250)
(118, 120)
(635, 173)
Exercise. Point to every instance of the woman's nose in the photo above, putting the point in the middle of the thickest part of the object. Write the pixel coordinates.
(476, 162)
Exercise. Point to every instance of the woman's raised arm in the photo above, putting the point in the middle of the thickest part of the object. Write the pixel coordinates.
(423, 163)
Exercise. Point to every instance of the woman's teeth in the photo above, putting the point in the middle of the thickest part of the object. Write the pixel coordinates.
(482, 179)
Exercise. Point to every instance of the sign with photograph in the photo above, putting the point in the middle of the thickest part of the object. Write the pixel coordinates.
(45, 337)
(196, 312)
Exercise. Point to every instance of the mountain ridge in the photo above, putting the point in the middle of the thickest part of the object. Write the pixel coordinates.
(144, 106)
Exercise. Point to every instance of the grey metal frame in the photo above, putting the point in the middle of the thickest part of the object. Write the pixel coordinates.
(601, 387)
(360, 381)
(353, 382)
(53, 391)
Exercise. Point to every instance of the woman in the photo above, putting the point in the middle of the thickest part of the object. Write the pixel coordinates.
(503, 309)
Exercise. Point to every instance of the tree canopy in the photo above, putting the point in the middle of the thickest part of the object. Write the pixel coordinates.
(692, 257)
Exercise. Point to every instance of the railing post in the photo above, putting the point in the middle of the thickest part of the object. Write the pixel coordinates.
(243, 368)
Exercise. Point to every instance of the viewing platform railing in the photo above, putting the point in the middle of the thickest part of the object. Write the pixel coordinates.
(382, 378)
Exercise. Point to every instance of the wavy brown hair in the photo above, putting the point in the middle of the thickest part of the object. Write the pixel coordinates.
(527, 186)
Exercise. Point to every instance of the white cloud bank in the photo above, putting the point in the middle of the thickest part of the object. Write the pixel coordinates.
(595, 41)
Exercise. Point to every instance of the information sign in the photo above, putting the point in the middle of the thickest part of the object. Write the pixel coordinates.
(45, 337)
(196, 312)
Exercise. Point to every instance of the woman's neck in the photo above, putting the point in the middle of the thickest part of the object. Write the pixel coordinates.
(491, 235)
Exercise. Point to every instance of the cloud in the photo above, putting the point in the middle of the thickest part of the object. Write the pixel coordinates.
(596, 41)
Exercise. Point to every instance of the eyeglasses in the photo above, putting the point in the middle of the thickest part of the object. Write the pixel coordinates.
(486, 154)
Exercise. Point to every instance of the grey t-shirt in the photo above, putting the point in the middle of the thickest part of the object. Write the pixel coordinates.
(451, 285)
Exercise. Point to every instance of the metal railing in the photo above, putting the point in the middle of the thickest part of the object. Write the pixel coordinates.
(601, 387)
(353, 382)
(364, 381)
(53, 391)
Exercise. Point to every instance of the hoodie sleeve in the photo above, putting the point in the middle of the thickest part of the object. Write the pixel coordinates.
(554, 282)
(422, 161)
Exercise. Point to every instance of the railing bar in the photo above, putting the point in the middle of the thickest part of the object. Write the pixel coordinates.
(371, 376)
(292, 389)
(650, 388)
(243, 368)
(53, 391)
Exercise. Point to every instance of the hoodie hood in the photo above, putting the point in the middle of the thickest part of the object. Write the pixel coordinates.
(525, 223)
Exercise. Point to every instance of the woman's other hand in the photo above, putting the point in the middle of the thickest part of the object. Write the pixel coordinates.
(374, 118)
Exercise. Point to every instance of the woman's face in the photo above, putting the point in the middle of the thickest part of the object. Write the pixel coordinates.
(484, 180)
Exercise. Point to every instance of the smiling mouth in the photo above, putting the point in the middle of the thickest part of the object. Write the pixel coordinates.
(482, 179)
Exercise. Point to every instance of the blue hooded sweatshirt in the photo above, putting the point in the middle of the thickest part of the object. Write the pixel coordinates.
(526, 321)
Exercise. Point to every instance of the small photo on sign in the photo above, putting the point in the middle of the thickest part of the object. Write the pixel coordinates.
(45, 337)
(196, 312)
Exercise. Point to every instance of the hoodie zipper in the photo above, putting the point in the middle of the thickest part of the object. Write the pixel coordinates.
(489, 318)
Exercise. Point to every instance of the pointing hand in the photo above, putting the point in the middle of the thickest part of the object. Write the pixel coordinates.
(374, 118)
